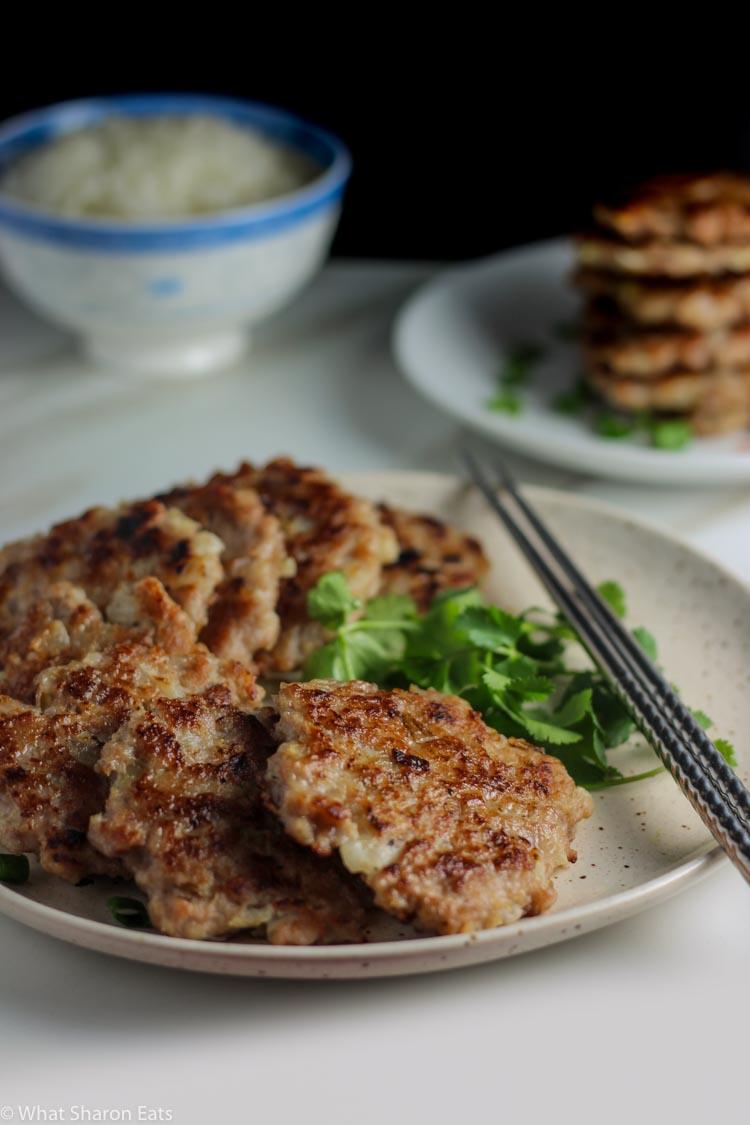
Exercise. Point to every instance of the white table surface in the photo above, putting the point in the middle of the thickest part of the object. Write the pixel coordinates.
(633, 1023)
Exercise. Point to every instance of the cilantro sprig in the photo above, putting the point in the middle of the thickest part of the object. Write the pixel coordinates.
(515, 373)
(527, 675)
(367, 644)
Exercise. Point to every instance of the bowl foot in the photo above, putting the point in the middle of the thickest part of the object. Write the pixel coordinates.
(176, 359)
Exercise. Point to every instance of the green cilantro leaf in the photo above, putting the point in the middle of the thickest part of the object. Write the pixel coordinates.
(614, 723)
(614, 426)
(702, 719)
(727, 751)
(647, 641)
(328, 663)
(505, 402)
(574, 708)
(614, 596)
(521, 672)
(497, 683)
(673, 434)
(331, 601)
(569, 402)
(490, 627)
(390, 607)
(518, 365)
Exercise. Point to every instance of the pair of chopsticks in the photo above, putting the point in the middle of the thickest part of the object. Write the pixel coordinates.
(714, 790)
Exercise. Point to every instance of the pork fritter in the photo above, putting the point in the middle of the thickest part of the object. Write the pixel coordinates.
(83, 690)
(49, 789)
(54, 629)
(620, 347)
(325, 528)
(64, 625)
(714, 402)
(704, 304)
(242, 619)
(433, 556)
(452, 826)
(184, 816)
(106, 548)
(706, 209)
(599, 251)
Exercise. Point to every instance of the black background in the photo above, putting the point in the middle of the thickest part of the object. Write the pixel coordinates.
(454, 163)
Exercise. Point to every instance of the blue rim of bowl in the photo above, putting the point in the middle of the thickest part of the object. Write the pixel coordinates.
(28, 131)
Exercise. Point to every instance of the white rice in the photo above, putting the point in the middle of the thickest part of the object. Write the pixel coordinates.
(156, 168)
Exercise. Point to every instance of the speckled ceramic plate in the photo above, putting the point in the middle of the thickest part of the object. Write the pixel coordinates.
(451, 339)
(643, 842)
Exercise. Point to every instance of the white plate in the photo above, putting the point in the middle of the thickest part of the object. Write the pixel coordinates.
(643, 842)
(451, 338)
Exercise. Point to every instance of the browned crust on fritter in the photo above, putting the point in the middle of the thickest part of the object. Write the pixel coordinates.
(452, 826)
(618, 346)
(325, 528)
(433, 556)
(55, 629)
(242, 618)
(185, 818)
(64, 625)
(107, 686)
(86, 678)
(703, 208)
(49, 789)
(599, 251)
(714, 402)
(703, 304)
(104, 549)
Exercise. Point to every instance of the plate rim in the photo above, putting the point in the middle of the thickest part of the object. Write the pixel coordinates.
(33, 914)
(134, 944)
(662, 467)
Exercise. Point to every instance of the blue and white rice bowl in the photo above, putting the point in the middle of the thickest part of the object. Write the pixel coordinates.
(170, 297)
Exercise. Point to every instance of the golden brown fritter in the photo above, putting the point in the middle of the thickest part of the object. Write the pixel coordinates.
(54, 629)
(706, 209)
(49, 789)
(106, 548)
(242, 619)
(184, 816)
(624, 349)
(106, 686)
(82, 691)
(714, 402)
(325, 529)
(64, 625)
(433, 556)
(452, 826)
(703, 304)
(596, 250)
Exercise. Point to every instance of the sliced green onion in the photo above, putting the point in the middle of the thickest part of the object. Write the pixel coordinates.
(568, 330)
(14, 869)
(128, 912)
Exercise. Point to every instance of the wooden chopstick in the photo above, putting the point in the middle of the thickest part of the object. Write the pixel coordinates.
(683, 746)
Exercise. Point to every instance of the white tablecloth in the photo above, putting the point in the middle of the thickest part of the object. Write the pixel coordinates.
(641, 1021)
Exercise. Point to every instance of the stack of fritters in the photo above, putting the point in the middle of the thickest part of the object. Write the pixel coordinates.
(136, 741)
(666, 276)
